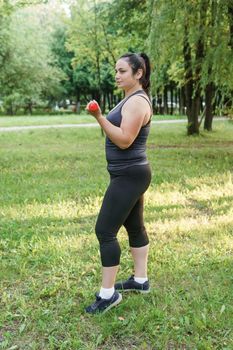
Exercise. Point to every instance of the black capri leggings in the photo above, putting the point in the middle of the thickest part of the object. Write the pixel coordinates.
(123, 205)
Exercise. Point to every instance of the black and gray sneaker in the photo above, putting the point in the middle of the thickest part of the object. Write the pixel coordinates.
(132, 285)
(103, 305)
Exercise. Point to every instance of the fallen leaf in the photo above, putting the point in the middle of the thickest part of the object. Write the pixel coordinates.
(121, 318)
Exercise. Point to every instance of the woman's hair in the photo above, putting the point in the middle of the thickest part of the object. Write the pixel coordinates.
(140, 61)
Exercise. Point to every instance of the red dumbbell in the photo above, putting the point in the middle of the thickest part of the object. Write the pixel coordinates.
(93, 106)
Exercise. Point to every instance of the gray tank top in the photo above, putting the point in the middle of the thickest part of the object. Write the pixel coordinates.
(118, 158)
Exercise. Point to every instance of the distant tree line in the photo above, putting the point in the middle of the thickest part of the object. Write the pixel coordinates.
(49, 59)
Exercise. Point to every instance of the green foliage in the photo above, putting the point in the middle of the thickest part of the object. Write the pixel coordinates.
(87, 38)
(28, 73)
(5, 12)
(6, 9)
(48, 56)
(97, 41)
(84, 79)
(63, 59)
(130, 25)
(205, 21)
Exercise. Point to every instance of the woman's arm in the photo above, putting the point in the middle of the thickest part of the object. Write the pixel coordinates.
(134, 112)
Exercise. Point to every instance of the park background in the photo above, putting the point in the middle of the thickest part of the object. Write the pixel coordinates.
(54, 57)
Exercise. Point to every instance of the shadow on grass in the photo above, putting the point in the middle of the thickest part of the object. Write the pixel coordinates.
(42, 227)
(200, 207)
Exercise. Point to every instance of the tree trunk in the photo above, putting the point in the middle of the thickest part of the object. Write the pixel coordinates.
(10, 109)
(78, 109)
(193, 93)
(176, 97)
(160, 101)
(172, 109)
(165, 100)
(154, 106)
(209, 89)
(209, 94)
(181, 101)
(30, 108)
(109, 101)
(97, 57)
(193, 125)
(104, 102)
(188, 87)
(114, 99)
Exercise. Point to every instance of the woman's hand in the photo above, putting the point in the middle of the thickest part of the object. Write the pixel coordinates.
(93, 108)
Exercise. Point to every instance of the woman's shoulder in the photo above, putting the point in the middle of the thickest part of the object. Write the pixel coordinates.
(138, 100)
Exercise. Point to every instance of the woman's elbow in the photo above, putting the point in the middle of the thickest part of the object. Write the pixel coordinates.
(124, 145)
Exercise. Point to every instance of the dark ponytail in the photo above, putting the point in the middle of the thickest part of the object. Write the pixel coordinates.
(140, 61)
(145, 80)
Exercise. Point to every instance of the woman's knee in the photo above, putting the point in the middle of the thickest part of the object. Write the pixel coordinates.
(110, 250)
(104, 234)
(138, 238)
(99, 231)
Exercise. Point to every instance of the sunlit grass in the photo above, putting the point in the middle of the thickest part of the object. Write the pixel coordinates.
(51, 187)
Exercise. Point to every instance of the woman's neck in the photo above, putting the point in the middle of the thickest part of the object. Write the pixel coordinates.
(133, 89)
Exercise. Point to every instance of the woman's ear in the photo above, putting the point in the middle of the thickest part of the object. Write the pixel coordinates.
(139, 74)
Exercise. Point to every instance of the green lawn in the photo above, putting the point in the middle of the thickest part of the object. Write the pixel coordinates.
(6, 121)
(51, 186)
(45, 120)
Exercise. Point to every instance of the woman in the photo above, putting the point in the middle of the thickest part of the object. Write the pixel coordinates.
(126, 128)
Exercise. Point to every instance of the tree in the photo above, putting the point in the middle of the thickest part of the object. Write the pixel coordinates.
(90, 41)
(28, 75)
(95, 38)
(130, 27)
(218, 65)
(63, 59)
(192, 38)
(5, 11)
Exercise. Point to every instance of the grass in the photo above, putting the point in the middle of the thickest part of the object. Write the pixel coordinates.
(6, 121)
(51, 186)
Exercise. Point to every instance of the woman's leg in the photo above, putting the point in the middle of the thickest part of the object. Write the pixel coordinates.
(109, 276)
(140, 257)
(138, 239)
(122, 204)
(119, 200)
(114, 210)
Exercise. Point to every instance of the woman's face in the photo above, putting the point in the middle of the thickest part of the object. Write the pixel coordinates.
(124, 77)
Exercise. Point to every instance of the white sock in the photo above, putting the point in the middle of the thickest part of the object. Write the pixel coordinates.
(106, 293)
(140, 279)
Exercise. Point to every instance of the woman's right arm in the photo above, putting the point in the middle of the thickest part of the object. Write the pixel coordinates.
(133, 115)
